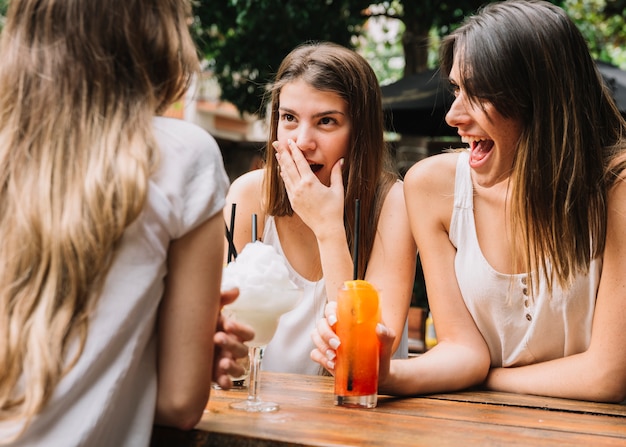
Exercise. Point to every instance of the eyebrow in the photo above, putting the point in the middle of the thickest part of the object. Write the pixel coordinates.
(317, 115)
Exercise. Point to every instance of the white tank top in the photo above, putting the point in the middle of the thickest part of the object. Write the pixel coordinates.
(518, 329)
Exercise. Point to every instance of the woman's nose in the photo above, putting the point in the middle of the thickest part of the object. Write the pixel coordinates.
(305, 138)
(457, 115)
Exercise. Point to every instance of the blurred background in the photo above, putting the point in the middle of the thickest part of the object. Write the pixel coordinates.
(243, 41)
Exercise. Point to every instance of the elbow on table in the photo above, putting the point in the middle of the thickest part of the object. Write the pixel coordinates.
(183, 415)
(479, 370)
(610, 390)
(605, 381)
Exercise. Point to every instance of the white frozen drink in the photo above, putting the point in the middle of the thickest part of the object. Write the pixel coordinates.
(265, 290)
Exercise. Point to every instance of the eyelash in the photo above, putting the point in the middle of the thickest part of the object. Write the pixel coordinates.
(454, 89)
(325, 120)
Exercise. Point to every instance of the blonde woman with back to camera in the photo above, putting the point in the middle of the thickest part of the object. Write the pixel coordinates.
(111, 227)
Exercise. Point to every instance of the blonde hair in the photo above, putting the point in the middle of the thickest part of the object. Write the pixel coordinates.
(80, 83)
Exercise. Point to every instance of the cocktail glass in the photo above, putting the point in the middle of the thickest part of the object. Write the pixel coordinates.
(260, 307)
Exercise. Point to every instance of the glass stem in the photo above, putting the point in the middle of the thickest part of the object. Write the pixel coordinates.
(256, 355)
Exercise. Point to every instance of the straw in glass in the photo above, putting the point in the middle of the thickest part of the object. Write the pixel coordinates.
(254, 228)
(232, 252)
(355, 239)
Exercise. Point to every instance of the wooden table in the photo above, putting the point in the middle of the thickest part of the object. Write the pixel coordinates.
(308, 418)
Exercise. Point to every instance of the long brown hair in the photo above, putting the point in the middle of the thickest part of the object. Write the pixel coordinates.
(368, 175)
(530, 61)
(80, 83)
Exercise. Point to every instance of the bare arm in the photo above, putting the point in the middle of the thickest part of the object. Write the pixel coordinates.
(187, 322)
(598, 374)
(461, 358)
(392, 264)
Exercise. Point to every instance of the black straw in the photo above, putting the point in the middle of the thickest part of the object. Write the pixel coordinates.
(355, 239)
(254, 238)
(232, 251)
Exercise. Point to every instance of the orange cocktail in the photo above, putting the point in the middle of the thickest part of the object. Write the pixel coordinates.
(356, 365)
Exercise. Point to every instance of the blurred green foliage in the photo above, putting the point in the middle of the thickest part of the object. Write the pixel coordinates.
(244, 41)
(603, 23)
(3, 11)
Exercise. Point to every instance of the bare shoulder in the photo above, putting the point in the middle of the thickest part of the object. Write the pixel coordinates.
(395, 196)
(246, 192)
(429, 194)
(250, 182)
(434, 174)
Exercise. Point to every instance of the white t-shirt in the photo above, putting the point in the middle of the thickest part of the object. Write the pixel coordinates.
(108, 398)
(519, 329)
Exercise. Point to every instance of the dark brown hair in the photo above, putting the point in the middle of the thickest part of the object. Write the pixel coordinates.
(367, 170)
(529, 60)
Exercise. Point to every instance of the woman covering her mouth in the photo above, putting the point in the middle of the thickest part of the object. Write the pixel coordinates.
(326, 149)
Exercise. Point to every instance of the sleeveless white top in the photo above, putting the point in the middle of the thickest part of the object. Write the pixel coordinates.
(290, 348)
(518, 329)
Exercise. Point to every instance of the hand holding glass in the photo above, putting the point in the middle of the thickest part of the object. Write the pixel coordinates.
(260, 307)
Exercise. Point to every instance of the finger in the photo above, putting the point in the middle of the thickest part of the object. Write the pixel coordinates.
(220, 375)
(336, 177)
(322, 346)
(228, 296)
(386, 336)
(241, 331)
(320, 358)
(298, 158)
(232, 367)
(288, 169)
(327, 337)
(225, 368)
(230, 343)
(224, 381)
(330, 312)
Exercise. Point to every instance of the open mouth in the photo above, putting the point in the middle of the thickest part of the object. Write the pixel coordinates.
(315, 167)
(482, 145)
(480, 148)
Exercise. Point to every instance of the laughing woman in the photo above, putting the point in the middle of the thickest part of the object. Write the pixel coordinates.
(522, 236)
